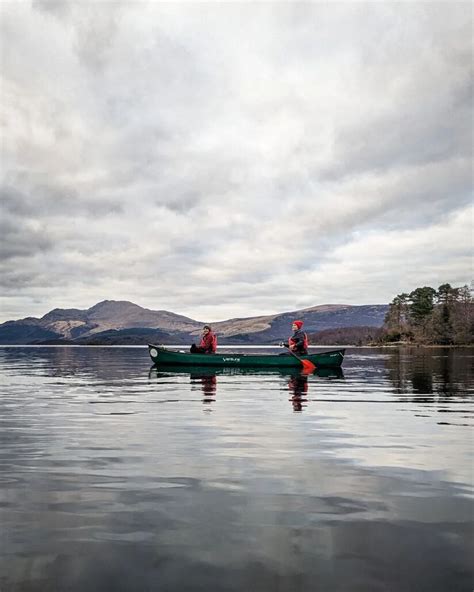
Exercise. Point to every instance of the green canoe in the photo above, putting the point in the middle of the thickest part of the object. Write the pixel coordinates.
(161, 355)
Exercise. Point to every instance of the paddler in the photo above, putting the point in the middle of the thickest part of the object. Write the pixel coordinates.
(208, 343)
(298, 342)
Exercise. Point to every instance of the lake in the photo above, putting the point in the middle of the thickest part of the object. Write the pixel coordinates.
(115, 476)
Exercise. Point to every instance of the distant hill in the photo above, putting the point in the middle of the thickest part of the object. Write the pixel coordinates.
(122, 322)
(317, 318)
(347, 336)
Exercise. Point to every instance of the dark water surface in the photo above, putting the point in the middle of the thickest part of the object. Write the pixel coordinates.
(117, 478)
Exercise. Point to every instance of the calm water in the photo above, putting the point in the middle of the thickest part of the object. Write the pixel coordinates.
(115, 477)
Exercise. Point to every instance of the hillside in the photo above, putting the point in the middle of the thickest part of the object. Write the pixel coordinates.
(121, 322)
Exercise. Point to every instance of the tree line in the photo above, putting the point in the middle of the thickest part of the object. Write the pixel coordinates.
(360, 335)
(444, 316)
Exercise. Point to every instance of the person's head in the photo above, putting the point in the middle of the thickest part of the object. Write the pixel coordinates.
(296, 326)
(206, 329)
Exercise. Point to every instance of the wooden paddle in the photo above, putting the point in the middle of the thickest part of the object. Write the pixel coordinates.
(307, 365)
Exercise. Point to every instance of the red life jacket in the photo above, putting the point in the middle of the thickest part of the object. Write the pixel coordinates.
(305, 341)
(209, 343)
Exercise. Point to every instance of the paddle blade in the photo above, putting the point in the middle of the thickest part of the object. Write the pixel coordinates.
(308, 366)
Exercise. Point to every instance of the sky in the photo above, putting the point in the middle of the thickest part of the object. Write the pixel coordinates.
(233, 159)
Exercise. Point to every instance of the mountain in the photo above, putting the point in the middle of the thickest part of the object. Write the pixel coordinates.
(123, 322)
(102, 318)
(22, 332)
(276, 327)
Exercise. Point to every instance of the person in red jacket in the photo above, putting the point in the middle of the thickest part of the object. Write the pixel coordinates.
(208, 343)
(298, 342)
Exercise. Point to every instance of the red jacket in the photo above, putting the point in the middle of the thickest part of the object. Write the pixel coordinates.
(209, 343)
(299, 340)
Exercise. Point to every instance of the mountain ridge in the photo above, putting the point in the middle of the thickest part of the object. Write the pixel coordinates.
(117, 321)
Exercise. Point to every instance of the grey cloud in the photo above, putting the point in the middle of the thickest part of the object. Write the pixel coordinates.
(406, 138)
(49, 201)
(57, 8)
(19, 239)
(428, 112)
(183, 203)
(96, 31)
(415, 196)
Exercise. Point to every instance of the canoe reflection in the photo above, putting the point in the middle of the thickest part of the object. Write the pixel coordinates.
(205, 378)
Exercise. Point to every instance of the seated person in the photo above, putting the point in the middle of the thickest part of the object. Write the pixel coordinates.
(208, 343)
(298, 342)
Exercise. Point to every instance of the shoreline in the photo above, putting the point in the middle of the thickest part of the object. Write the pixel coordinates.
(236, 346)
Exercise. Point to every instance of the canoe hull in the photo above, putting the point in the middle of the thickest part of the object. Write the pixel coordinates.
(161, 355)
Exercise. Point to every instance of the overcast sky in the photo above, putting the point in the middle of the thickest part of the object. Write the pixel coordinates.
(233, 159)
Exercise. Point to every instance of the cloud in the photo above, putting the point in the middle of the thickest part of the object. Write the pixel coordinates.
(230, 160)
(411, 258)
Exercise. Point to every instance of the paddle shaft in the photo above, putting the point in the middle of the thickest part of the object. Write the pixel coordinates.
(307, 365)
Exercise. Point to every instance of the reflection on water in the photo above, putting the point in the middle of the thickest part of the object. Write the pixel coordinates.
(298, 385)
(206, 378)
(438, 371)
(118, 476)
(208, 386)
